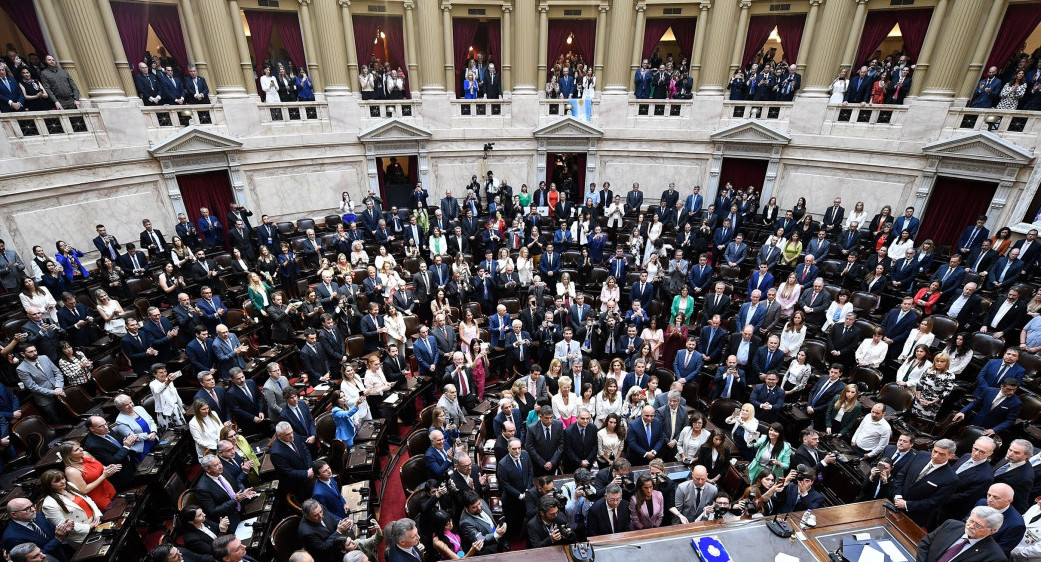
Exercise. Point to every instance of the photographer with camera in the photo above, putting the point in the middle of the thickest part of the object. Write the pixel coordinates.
(543, 488)
(720, 509)
(578, 493)
(802, 496)
(617, 474)
(878, 484)
(550, 527)
(760, 496)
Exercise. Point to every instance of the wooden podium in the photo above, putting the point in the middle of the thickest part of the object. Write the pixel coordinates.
(748, 540)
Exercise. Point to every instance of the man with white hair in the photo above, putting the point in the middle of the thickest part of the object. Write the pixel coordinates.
(999, 497)
(508, 412)
(970, 541)
(449, 402)
(292, 460)
(974, 476)
(462, 380)
(926, 482)
(1017, 472)
(219, 496)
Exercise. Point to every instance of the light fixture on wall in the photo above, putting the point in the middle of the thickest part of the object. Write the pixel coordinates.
(570, 38)
(993, 122)
(379, 35)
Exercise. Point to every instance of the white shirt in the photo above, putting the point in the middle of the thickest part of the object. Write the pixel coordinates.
(1002, 311)
(872, 436)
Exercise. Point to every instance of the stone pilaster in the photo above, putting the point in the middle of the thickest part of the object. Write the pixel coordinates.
(853, 37)
(310, 51)
(947, 72)
(719, 45)
(984, 41)
(620, 49)
(925, 55)
(411, 40)
(87, 32)
(506, 57)
(699, 41)
(56, 30)
(333, 50)
(448, 33)
(543, 46)
(825, 54)
(638, 31)
(221, 22)
(348, 39)
(526, 52)
(601, 38)
(199, 54)
(808, 30)
(740, 36)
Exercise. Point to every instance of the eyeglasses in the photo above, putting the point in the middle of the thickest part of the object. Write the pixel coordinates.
(30, 508)
(974, 525)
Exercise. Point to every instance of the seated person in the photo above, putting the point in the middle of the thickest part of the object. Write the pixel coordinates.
(197, 532)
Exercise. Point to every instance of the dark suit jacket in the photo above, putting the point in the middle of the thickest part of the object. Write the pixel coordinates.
(214, 499)
(198, 541)
(541, 449)
(513, 483)
(1011, 322)
(201, 360)
(1020, 479)
(937, 542)
(638, 445)
(303, 428)
(314, 362)
(898, 330)
(243, 408)
(16, 534)
(318, 538)
(1011, 531)
(146, 241)
(221, 408)
(395, 554)
(999, 419)
(577, 449)
(598, 522)
(968, 313)
(67, 320)
(292, 465)
(108, 453)
(926, 496)
(972, 485)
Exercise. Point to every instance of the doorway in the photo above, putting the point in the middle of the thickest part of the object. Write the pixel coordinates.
(208, 189)
(743, 172)
(954, 203)
(398, 176)
(568, 171)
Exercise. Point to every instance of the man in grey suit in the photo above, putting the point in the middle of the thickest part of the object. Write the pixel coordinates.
(476, 524)
(773, 312)
(693, 495)
(444, 335)
(673, 419)
(42, 378)
(535, 382)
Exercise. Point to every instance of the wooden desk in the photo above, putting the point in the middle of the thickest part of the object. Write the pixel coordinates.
(747, 540)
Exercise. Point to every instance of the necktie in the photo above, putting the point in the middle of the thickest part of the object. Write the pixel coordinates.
(36, 528)
(821, 392)
(227, 488)
(896, 457)
(518, 463)
(214, 396)
(997, 400)
(925, 472)
(547, 432)
(463, 388)
(1034, 519)
(697, 497)
(647, 426)
(138, 338)
(245, 389)
(973, 237)
(687, 361)
(1004, 468)
(614, 517)
(969, 464)
(953, 551)
(113, 440)
(726, 391)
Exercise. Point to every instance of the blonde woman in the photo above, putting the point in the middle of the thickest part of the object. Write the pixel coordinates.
(744, 430)
(610, 293)
(525, 267)
(358, 256)
(843, 412)
(504, 260)
(608, 401)
(565, 402)
(395, 324)
(205, 428)
(933, 387)
(112, 313)
(259, 293)
(566, 289)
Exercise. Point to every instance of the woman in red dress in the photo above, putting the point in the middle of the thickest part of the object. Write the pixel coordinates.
(87, 474)
(675, 340)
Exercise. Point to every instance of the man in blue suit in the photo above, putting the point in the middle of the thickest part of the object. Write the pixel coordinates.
(752, 312)
(213, 395)
(200, 351)
(372, 328)
(907, 222)
(999, 496)
(11, 97)
(228, 351)
(720, 238)
(767, 398)
(950, 276)
(823, 394)
(498, 325)
(925, 482)
(729, 382)
(292, 460)
(975, 475)
(162, 332)
(819, 246)
(988, 90)
(997, 370)
(618, 264)
(642, 291)
(688, 361)
(567, 84)
(247, 404)
(996, 409)
(298, 414)
(550, 264)
(211, 307)
(806, 272)
(767, 358)
(642, 81)
(859, 89)
(438, 458)
(761, 280)
(638, 377)
(692, 206)
(1005, 271)
(903, 272)
(171, 88)
(736, 251)
(973, 236)
(426, 352)
(645, 438)
(898, 325)
(700, 276)
(327, 490)
(195, 88)
(712, 339)
(769, 255)
(26, 525)
(515, 475)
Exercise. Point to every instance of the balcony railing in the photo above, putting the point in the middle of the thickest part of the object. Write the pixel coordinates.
(765, 110)
(26, 125)
(176, 116)
(553, 109)
(389, 109)
(294, 112)
(660, 108)
(994, 120)
(480, 108)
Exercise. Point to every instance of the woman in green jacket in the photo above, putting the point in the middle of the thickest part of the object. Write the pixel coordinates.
(843, 412)
(771, 451)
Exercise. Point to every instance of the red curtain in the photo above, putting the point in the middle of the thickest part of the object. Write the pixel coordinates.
(743, 172)
(166, 23)
(759, 28)
(464, 30)
(364, 32)
(260, 25)
(877, 26)
(652, 32)
(1020, 21)
(913, 26)
(23, 14)
(132, 23)
(413, 171)
(953, 205)
(684, 29)
(208, 189)
(288, 27)
(583, 42)
(494, 43)
(365, 28)
(789, 29)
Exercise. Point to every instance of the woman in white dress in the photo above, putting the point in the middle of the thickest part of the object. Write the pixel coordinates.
(395, 324)
(168, 406)
(391, 280)
(858, 216)
(205, 428)
(872, 351)
(383, 258)
(610, 293)
(269, 86)
(565, 402)
(903, 243)
(609, 440)
(353, 387)
(912, 369)
(37, 296)
(838, 88)
(438, 246)
(653, 233)
(504, 260)
(62, 502)
(608, 401)
(794, 334)
(837, 310)
(922, 335)
(112, 313)
(691, 439)
(525, 267)
(960, 353)
(566, 289)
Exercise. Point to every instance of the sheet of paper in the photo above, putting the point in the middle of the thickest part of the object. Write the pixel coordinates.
(321, 387)
(245, 529)
(892, 550)
(782, 557)
(391, 400)
(862, 536)
(869, 554)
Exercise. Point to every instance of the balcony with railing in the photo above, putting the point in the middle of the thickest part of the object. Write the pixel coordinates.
(552, 109)
(37, 133)
(481, 113)
(389, 109)
(1020, 127)
(774, 113)
(872, 121)
(302, 116)
(162, 120)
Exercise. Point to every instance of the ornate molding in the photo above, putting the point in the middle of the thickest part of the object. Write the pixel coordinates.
(304, 2)
(746, 4)
(410, 5)
(446, 5)
(507, 8)
(705, 5)
(344, 3)
(816, 2)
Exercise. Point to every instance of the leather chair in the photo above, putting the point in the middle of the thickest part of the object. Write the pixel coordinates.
(869, 377)
(36, 436)
(302, 225)
(413, 474)
(720, 410)
(896, 399)
(417, 442)
(285, 538)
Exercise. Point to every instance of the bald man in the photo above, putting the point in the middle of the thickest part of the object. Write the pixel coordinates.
(999, 497)
(28, 526)
(693, 495)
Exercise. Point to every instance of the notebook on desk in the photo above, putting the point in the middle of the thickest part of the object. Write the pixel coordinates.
(709, 549)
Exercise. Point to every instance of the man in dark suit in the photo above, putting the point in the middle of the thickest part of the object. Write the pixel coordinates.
(77, 322)
(438, 457)
(859, 89)
(607, 515)
(109, 449)
(373, 329)
(133, 262)
(171, 87)
(644, 438)
(995, 371)
(152, 240)
(462, 478)
(137, 345)
(319, 530)
(815, 302)
(832, 221)
(843, 340)
(965, 308)
(975, 475)
(402, 541)
(26, 525)
(292, 460)
(458, 375)
(236, 467)
(1029, 248)
(901, 452)
(147, 85)
(716, 304)
(241, 239)
(879, 483)
(1017, 473)
(580, 445)
(970, 541)
(981, 259)
(162, 333)
(673, 416)
(898, 324)
(195, 88)
(924, 485)
(544, 442)
(729, 381)
(200, 353)
(298, 415)
(999, 497)
(1005, 271)
(515, 475)
(219, 496)
(332, 343)
(950, 275)
(972, 237)
(808, 453)
(492, 84)
(823, 394)
(768, 398)
(799, 494)
(1005, 318)
(807, 272)
(996, 409)
(267, 234)
(213, 395)
(476, 524)
(106, 244)
(247, 404)
(544, 528)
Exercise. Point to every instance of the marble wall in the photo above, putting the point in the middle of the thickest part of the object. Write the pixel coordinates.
(291, 192)
(820, 184)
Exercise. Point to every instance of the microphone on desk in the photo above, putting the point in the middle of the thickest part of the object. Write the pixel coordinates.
(837, 555)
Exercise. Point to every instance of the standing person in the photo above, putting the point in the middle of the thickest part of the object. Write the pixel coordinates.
(60, 85)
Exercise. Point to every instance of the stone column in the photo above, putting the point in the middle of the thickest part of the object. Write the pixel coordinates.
(245, 63)
(807, 35)
(448, 31)
(87, 32)
(220, 20)
(639, 29)
(543, 51)
(56, 30)
(946, 73)
(310, 52)
(699, 41)
(348, 39)
(922, 64)
(853, 38)
(719, 46)
(123, 67)
(619, 50)
(194, 38)
(740, 37)
(601, 37)
(333, 49)
(825, 55)
(430, 37)
(984, 41)
(526, 64)
(411, 39)
(506, 42)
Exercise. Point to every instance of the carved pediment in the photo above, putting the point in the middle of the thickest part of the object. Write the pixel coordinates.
(567, 128)
(192, 141)
(750, 132)
(981, 146)
(394, 130)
